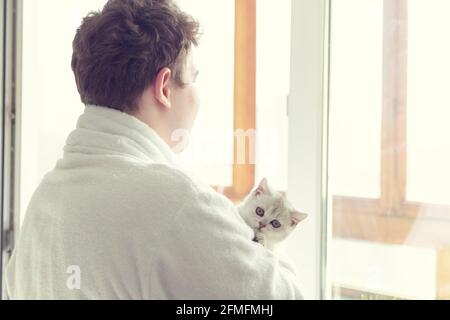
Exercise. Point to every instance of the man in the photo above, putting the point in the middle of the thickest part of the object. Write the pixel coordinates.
(117, 218)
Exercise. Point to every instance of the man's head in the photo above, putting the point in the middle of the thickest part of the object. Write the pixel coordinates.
(136, 56)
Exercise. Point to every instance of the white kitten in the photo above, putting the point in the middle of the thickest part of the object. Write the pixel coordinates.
(270, 215)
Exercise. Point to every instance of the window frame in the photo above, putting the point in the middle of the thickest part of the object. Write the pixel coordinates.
(308, 129)
(243, 175)
(308, 142)
(11, 68)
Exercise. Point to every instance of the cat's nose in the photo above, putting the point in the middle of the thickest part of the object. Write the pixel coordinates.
(262, 226)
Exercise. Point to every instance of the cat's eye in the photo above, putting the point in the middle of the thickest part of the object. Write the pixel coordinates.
(260, 212)
(276, 224)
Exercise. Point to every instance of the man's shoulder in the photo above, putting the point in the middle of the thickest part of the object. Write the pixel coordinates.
(179, 201)
(169, 177)
(182, 184)
(177, 183)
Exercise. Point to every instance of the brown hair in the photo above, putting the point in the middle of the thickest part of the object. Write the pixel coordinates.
(119, 51)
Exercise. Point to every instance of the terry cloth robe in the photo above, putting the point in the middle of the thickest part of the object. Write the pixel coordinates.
(119, 219)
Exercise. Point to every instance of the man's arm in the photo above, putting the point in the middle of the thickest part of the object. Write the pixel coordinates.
(217, 259)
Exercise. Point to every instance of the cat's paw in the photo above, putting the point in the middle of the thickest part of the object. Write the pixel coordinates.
(261, 239)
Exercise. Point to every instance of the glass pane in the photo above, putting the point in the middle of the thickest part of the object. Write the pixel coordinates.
(429, 102)
(273, 77)
(355, 97)
(210, 153)
(51, 103)
(383, 246)
(389, 199)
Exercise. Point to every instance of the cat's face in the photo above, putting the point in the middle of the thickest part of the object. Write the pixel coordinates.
(270, 213)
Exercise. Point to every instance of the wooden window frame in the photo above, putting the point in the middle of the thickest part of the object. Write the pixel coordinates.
(244, 97)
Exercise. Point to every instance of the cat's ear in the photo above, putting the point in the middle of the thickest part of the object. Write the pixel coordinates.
(297, 217)
(263, 187)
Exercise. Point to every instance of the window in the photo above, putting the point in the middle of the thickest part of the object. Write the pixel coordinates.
(389, 149)
(210, 153)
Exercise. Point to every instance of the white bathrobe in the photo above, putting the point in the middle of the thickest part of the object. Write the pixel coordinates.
(118, 219)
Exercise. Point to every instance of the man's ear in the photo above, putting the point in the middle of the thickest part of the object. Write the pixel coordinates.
(162, 88)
